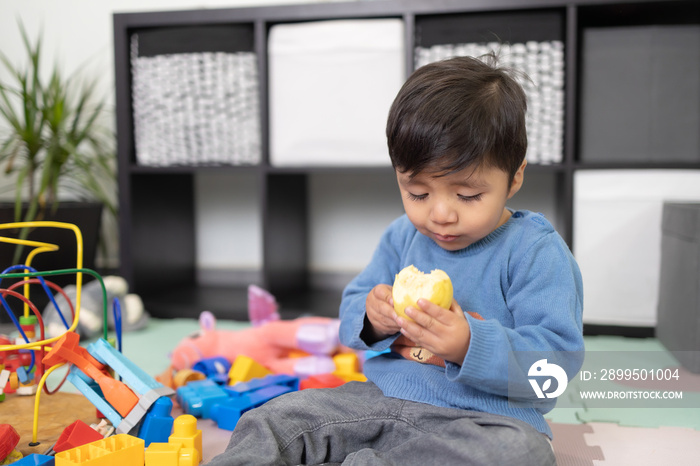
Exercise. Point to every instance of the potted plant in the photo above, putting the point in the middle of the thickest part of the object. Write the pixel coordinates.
(53, 142)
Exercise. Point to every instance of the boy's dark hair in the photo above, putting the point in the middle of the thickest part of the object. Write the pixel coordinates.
(457, 113)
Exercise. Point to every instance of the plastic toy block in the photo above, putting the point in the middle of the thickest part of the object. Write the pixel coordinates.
(171, 454)
(139, 381)
(245, 368)
(9, 438)
(91, 391)
(346, 362)
(124, 402)
(75, 435)
(162, 454)
(186, 376)
(221, 379)
(148, 389)
(67, 349)
(118, 450)
(186, 433)
(197, 398)
(157, 425)
(213, 366)
(35, 459)
(321, 381)
(256, 384)
(227, 413)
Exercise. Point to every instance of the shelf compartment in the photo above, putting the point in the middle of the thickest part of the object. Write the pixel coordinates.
(331, 84)
(531, 42)
(158, 250)
(195, 95)
(640, 72)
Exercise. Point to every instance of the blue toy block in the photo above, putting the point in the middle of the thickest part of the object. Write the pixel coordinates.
(135, 377)
(227, 413)
(219, 379)
(198, 397)
(157, 425)
(146, 387)
(262, 382)
(93, 393)
(35, 459)
(212, 367)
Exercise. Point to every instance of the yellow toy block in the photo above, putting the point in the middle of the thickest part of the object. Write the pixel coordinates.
(171, 454)
(162, 454)
(118, 450)
(346, 362)
(351, 376)
(185, 432)
(347, 367)
(189, 457)
(185, 376)
(245, 368)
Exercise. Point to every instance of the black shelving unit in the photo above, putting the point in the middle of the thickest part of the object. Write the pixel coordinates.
(157, 211)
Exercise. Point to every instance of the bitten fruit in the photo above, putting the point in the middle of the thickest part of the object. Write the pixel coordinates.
(411, 284)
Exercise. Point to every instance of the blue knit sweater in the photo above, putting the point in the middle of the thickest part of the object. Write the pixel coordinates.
(522, 279)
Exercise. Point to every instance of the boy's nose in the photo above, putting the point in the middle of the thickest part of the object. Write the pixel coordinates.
(442, 213)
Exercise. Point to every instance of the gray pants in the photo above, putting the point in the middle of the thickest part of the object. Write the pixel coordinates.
(355, 424)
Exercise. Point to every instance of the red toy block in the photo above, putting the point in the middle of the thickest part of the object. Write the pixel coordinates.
(321, 381)
(75, 435)
(9, 438)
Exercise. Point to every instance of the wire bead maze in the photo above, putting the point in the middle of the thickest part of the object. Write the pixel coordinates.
(25, 276)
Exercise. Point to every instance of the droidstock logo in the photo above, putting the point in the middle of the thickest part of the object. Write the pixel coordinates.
(541, 369)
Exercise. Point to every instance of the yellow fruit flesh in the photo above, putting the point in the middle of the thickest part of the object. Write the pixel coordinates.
(411, 284)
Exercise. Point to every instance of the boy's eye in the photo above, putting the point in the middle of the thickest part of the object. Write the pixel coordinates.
(473, 198)
(417, 197)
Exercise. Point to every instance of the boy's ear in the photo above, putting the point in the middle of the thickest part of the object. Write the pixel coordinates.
(517, 182)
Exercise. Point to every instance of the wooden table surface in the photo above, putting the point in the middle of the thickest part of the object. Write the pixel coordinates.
(56, 412)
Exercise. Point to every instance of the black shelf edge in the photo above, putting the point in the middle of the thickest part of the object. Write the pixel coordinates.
(231, 303)
(330, 169)
(184, 169)
(325, 11)
(306, 169)
(590, 330)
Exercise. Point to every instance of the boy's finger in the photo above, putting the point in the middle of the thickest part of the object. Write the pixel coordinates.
(383, 293)
(433, 310)
(421, 318)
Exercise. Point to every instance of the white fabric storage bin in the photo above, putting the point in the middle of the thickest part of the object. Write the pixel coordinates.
(331, 86)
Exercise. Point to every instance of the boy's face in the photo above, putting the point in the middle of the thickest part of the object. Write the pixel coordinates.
(461, 208)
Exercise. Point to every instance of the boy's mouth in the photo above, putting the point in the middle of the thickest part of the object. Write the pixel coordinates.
(445, 238)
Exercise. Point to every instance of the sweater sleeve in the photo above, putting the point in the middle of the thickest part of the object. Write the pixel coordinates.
(544, 294)
(383, 267)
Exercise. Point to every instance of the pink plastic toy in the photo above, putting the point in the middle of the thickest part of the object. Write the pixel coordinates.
(274, 343)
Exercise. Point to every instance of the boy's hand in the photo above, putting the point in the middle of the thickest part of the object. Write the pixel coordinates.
(380, 313)
(444, 332)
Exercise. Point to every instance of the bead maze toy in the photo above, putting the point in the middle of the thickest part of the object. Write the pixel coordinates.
(125, 401)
